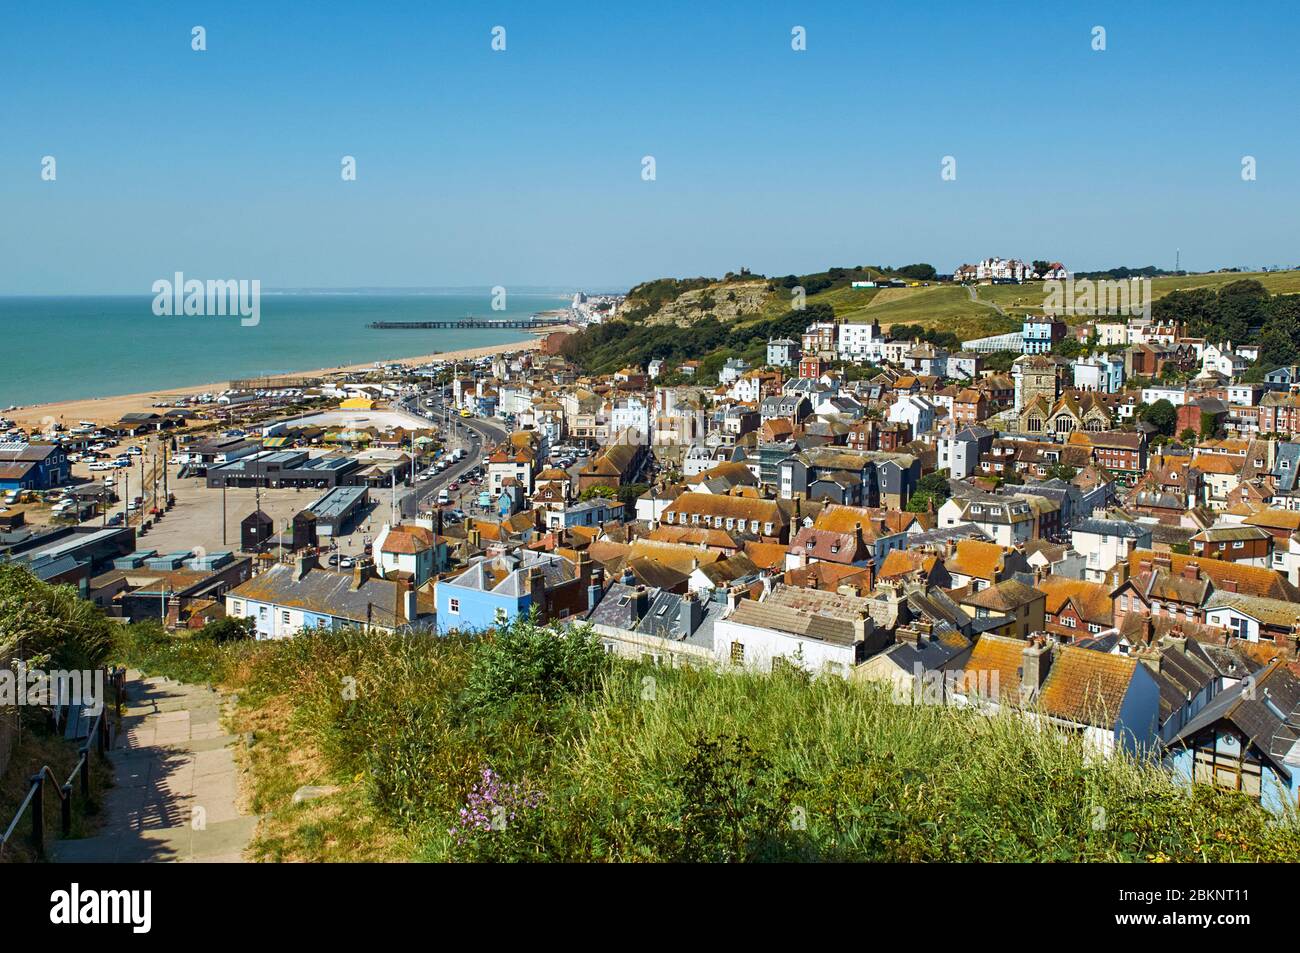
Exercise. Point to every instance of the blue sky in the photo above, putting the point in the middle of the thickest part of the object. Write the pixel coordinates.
(523, 168)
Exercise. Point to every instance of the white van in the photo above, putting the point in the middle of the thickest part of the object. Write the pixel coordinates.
(443, 497)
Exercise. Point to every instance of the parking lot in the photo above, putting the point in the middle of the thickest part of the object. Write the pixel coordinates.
(196, 519)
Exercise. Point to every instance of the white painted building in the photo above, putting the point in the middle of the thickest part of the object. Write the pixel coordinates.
(860, 342)
(915, 410)
(1105, 543)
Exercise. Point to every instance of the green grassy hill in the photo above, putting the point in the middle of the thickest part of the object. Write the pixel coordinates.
(966, 312)
(1028, 298)
(592, 759)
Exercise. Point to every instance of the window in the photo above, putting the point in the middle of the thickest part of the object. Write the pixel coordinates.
(237, 607)
(738, 653)
(284, 618)
(453, 606)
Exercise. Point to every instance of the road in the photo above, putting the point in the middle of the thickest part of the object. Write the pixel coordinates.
(481, 435)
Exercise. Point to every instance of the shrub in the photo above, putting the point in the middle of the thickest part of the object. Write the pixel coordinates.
(530, 661)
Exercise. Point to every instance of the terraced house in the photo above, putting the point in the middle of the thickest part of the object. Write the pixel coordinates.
(1112, 701)
(1006, 521)
(288, 599)
(761, 518)
(861, 478)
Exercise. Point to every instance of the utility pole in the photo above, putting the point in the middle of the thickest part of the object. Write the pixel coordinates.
(223, 512)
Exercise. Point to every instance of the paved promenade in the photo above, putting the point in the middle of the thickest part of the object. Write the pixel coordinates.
(175, 795)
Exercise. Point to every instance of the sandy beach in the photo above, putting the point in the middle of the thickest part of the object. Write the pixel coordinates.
(107, 410)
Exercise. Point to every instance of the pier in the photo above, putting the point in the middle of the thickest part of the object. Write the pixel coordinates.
(500, 324)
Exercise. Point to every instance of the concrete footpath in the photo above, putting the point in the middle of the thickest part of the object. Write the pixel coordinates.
(175, 796)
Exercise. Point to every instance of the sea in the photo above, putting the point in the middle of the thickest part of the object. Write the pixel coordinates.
(56, 348)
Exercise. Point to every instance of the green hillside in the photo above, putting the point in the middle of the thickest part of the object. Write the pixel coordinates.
(596, 759)
(1029, 297)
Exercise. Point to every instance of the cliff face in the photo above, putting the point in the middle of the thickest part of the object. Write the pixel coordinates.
(683, 304)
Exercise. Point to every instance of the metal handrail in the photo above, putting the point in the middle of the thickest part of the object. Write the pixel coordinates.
(100, 735)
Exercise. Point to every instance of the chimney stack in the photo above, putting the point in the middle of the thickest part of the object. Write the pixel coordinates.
(537, 587)
(734, 595)
(595, 587)
(303, 565)
(1035, 662)
(360, 573)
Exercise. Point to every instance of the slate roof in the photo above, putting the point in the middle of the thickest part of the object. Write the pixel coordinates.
(1100, 527)
(1268, 714)
(325, 592)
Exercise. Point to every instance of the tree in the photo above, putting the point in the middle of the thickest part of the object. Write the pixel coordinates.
(1162, 416)
(627, 495)
(1243, 306)
(931, 488)
(1187, 436)
(1068, 347)
(228, 628)
(918, 272)
(600, 492)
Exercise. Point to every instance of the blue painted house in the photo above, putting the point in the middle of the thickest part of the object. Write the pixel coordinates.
(495, 590)
(33, 466)
(1282, 378)
(1247, 739)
